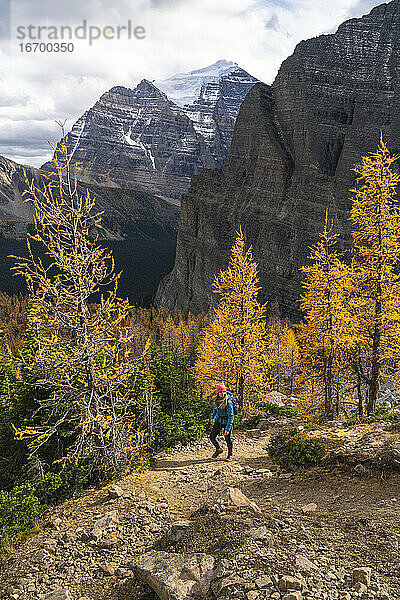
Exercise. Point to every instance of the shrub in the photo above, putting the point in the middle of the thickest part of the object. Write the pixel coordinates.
(19, 510)
(274, 410)
(184, 427)
(382, 413)
(56, 487)
(291, 449)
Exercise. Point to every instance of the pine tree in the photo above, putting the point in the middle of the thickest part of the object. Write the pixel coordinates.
(375, 217)
(234, 348)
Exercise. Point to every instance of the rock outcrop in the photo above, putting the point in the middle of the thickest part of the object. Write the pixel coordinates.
(140, 139)
(292, 155)
(176, 577)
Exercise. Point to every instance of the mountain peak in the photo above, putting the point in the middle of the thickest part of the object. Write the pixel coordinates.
(184, 88)
(148, 89)
(145, 89)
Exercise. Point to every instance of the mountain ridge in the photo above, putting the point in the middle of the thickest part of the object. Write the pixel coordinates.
(141, 139)
(325, 110)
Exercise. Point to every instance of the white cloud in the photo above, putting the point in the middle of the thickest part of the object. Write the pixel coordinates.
(37, 88)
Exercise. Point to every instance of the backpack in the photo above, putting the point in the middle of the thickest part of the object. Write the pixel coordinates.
(234, 403)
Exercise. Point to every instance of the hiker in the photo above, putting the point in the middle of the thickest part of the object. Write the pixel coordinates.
(222, 417)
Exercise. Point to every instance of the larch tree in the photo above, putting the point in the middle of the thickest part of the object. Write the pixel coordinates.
(375, 217)
(82, 355)
(322, 335)
(234, 348)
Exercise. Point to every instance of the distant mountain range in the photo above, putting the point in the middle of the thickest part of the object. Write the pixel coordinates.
(154, 138)
(138, 149)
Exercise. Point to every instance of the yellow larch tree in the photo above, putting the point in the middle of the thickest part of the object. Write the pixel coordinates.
(282, 353)
(375, 216)
(81, 356)
(323, 334)
(234, 348)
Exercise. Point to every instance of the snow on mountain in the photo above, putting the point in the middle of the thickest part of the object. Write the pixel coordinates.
(144, 139)
(184, 88)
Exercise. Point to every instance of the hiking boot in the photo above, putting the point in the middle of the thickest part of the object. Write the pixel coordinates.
(217, 453)
(229, 458)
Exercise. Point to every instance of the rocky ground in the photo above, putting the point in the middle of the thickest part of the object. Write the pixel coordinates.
(245, 530)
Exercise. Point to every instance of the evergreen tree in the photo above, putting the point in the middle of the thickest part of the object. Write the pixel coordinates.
(82, 356)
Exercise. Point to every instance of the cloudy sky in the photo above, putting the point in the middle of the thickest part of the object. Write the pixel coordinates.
(36, 88)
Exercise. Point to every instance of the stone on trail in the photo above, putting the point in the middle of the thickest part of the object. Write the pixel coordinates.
(288, 583)
(293, 596)
(362, 575)
(107, 569)
(360, 588)
(176, 576)
(264, 582)
(106, 526)
(115, 492)
(303, 563)
(237, 498)
(61, 594)
(178, 530)
(261, 534)
(224, 586)
(253, 433)
(312, 507)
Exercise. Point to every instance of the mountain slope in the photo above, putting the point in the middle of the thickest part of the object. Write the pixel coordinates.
(291, 158)
(140, 229)
(140, 139)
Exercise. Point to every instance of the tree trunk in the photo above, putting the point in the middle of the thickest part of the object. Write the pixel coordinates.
(328, 408)
(360, 396)
(373, 384)
(241, 393)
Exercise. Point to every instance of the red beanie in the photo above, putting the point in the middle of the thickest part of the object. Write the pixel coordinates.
(220, 387)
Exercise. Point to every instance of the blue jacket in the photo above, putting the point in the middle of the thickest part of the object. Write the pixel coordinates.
(226, 416)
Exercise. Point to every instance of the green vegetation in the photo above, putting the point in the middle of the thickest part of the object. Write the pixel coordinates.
(382, 413)
(19, 510)
(292, 449)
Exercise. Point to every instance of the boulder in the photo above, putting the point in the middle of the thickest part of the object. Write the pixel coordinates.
(235, 497)
(276, 398)
(176, 576)
(362, 575)
(61, 594)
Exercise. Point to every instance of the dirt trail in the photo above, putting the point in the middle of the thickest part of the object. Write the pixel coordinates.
(190, 478)
(356, 522)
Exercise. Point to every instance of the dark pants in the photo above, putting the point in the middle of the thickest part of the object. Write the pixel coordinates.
(216, 430)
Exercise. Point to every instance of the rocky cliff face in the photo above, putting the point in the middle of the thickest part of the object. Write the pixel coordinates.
(291, 158)
(140, 139)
